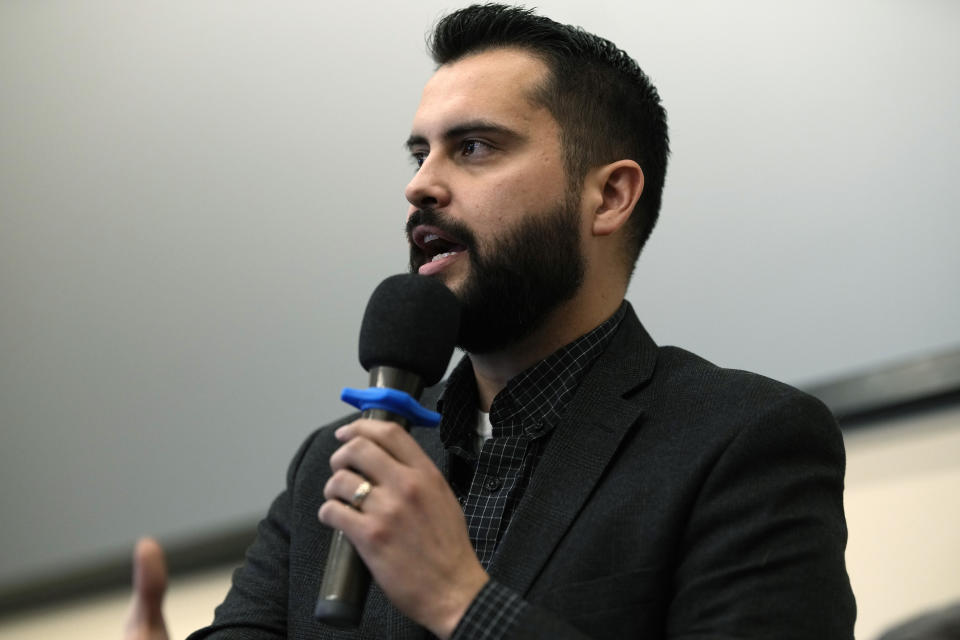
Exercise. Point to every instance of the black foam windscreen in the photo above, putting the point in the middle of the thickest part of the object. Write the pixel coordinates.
(411, 323)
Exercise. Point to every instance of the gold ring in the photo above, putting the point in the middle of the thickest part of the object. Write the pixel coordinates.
(361, 494)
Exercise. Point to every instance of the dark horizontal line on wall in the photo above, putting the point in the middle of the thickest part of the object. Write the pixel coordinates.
(216, 549)
(858, 400)
(905, 387)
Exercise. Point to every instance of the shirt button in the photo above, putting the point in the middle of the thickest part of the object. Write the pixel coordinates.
(493, 483)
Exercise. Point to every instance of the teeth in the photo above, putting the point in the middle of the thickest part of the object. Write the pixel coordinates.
(441, 256)
(430, 237)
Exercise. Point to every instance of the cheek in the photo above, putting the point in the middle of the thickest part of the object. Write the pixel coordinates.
(494, 199)
(521, 193)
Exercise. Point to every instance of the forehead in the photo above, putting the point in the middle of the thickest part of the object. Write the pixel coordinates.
(492, 85)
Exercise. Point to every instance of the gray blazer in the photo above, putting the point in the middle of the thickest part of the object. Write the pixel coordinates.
(674, 499)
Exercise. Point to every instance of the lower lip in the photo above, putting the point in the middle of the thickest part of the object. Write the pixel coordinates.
(437, 266)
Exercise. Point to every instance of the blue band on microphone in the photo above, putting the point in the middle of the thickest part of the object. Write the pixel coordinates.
(392, 400)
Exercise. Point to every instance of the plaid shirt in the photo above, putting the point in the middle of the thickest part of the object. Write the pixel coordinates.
(489, 485)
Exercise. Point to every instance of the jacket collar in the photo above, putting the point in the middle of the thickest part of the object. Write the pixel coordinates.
(588, 435)
(586, 438)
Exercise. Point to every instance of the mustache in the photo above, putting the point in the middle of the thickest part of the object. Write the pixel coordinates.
(453, 228)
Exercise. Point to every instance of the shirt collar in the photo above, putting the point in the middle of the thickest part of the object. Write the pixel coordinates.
(534, 399)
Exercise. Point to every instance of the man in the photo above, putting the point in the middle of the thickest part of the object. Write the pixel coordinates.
(583, 482)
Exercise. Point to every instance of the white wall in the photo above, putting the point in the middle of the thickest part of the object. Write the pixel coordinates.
(903, 515)
(197, 197)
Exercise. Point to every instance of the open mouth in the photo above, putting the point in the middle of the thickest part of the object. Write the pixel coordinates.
(435, 243)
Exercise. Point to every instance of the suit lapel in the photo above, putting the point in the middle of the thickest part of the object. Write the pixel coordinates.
(580, 448)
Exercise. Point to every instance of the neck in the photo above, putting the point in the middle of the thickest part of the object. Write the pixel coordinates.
(562, 326)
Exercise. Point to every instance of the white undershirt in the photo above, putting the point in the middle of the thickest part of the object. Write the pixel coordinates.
(483, 430)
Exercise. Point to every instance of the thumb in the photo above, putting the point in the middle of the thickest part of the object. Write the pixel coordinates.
(145, 619)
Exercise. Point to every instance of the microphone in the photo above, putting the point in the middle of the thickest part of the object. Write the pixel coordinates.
(406, 339)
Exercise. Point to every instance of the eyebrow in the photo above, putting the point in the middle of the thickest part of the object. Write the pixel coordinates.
(466, 129)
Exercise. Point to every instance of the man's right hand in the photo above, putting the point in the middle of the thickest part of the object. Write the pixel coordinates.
(145, 618)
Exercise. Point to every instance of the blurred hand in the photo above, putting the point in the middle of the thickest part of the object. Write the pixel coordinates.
(145, 618)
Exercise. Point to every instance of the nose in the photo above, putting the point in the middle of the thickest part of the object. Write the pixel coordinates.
(429, 186)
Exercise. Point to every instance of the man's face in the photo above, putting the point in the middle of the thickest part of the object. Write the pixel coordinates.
(491, 212)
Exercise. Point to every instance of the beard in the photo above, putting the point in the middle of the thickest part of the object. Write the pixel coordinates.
(516, 282)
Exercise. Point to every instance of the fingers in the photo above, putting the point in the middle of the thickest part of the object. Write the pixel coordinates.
(346, 495)
(149, 572)
(343, 486)
(145, 619)
(383, 453)
(409, 528)
(388, 436)
(400, 473)
(338, 515)
(366, 457)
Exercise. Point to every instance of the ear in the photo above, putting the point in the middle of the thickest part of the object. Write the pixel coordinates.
(620, 184)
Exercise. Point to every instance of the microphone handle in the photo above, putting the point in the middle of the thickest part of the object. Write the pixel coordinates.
(346, 579)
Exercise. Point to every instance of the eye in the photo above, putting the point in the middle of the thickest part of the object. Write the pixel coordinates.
(471, 147)
(418, 158)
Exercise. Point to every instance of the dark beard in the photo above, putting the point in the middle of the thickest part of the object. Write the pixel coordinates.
(515, 285)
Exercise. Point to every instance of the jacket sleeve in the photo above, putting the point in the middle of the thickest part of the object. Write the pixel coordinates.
(763, 553)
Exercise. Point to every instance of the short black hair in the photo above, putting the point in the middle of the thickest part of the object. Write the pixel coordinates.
(606, 106)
